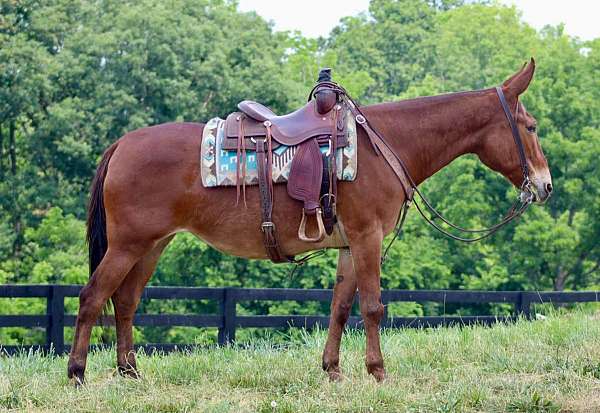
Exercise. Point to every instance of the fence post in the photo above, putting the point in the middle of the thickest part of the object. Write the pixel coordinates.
(523, 306)
(228, 311)
(385, 321)
(49, 303)
(55, 308)
(518, 306)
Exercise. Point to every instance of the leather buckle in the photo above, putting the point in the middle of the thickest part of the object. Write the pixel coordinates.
(267, 224)
(360, 119)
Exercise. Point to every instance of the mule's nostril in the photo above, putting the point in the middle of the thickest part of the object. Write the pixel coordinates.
(549, 187)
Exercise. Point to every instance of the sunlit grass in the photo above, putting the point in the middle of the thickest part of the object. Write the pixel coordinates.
(547, 365)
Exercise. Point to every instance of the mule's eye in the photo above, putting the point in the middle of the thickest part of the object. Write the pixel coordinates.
(532, 128)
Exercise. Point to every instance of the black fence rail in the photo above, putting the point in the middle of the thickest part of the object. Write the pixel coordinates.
(227, 320)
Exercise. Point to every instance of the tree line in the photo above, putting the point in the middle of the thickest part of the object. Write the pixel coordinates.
(75, 76)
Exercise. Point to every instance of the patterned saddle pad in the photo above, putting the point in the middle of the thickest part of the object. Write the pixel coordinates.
(218, 166)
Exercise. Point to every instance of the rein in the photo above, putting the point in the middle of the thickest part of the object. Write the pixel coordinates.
(525, 198)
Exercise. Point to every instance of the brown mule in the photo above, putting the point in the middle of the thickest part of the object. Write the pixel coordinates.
(148, 188)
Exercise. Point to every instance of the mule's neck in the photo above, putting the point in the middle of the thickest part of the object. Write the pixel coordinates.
(428, 133)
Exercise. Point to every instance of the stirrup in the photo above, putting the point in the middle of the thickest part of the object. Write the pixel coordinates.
(302, 228)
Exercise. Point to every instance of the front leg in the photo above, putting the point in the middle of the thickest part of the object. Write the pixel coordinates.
(343, 297)
(366, 256)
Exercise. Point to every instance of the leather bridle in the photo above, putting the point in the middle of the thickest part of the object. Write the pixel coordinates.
(517, 137)
(380, 146)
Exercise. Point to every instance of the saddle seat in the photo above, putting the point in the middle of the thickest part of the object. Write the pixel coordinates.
(290, 130)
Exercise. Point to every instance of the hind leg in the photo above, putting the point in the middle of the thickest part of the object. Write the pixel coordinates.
(126, 300)
(106, 279)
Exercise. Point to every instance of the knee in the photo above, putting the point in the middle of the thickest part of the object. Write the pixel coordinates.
(125, 305)
(341, 312)
(373, 311)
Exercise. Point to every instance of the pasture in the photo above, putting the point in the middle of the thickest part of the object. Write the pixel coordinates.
(547, 365)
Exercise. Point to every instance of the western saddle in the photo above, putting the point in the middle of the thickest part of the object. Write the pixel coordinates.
(316, 131)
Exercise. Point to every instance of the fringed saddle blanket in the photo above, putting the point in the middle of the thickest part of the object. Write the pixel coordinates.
(219, 166)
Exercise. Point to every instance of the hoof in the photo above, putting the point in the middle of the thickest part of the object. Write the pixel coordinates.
(379, 374)
(76, 373)
(129, 371)
(333, 370)
(335, 375)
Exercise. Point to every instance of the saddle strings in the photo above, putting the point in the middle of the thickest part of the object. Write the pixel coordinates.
(333, 154)
(269, 161)
(241, 163)
(244, 167)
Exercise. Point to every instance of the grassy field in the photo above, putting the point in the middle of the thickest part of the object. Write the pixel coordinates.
(547, 365)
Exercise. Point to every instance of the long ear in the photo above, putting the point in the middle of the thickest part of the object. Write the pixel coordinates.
(510, 79)
(518, 83)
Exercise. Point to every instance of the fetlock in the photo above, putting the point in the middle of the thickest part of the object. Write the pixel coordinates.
(377, 370)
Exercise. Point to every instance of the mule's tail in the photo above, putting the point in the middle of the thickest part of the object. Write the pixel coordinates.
(96, 216)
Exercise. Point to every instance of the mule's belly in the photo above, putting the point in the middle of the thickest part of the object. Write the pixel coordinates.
(236, 229)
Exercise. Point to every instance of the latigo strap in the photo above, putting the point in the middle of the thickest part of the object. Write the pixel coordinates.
(266, 203)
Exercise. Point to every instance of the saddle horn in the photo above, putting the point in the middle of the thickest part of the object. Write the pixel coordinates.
(325, 97)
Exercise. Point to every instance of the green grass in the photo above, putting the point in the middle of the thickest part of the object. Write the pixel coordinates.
(548, 365)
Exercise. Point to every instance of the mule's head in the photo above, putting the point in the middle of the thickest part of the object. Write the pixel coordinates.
(498, 149)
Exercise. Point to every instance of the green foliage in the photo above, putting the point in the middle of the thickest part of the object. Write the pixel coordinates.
(53, 252)
(75, 76)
